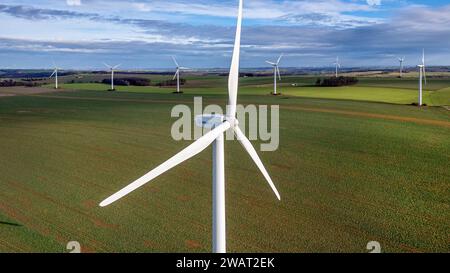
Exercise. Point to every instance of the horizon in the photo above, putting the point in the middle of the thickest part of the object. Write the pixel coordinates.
(169, 69)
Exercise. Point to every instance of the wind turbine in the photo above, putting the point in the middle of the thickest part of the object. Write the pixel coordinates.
(276, 73)
(55, 72)
(219, 125)
(401, 60)
(422, 75)
(338, 65)
(177, 73)
(112, 69)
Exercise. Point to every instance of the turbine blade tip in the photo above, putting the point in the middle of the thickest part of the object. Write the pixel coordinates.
(104, 203)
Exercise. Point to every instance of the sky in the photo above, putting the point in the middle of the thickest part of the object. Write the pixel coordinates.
(144, 34)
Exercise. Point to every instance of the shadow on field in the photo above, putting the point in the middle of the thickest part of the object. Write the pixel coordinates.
(10, 224)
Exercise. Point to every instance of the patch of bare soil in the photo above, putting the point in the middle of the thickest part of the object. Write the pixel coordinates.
(193, 244)
(21, 90)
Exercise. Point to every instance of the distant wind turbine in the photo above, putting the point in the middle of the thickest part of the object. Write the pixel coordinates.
(338, 65)
(276, 73)
(177, 73)
(219, 125)
(55, 72)
(401, 60)
(422, 75)
(112, 69)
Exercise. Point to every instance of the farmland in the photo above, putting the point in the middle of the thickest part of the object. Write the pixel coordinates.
(388, 90)
(355, 164)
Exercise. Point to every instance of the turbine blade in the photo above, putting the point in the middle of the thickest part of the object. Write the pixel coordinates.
(175, 61)
(54, 72)
(107, 65)
(252, 152)
(279, 59)
(423, 57)
(192, 150)
(424, 74)
(176, 73)
(117, 66)
(233, 79)
(271, 63)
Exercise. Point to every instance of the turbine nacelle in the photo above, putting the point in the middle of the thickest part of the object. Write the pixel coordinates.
(112, 68)
(211, 121)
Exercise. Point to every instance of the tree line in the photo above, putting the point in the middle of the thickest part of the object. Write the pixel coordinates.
(11, 83)
(129, 81)
(335, 82)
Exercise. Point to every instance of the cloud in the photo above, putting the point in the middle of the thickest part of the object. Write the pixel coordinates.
(31, 13)
(309, 38)
(373, 2)
(28, 45)
(73, 2)
(142, 7)
(258, 10)
(330, 20)
(334, 13)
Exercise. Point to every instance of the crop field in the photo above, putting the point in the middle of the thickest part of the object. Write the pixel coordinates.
(387, 90)
(355, 164)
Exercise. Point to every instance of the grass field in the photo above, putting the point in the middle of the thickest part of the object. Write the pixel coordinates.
(387, 90)
(348, 172)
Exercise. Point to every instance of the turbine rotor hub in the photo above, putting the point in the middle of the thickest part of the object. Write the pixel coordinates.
(233, 121)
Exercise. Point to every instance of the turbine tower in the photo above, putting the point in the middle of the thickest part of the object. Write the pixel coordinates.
(422, 75)
(276, 73)
(112, 69)
(338, 65)
(55, 72)
(401, 60)
(219, 125)
(177, 73)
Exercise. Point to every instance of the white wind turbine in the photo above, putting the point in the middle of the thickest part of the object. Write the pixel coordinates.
(55, 72)
(177, 73)
(112, 69)
(422, 75)
(219, 125)
(276, 73)
(338, 65)
(401, 60)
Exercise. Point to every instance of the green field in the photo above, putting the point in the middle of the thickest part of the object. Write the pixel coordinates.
(349, 171)
(387, 90)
